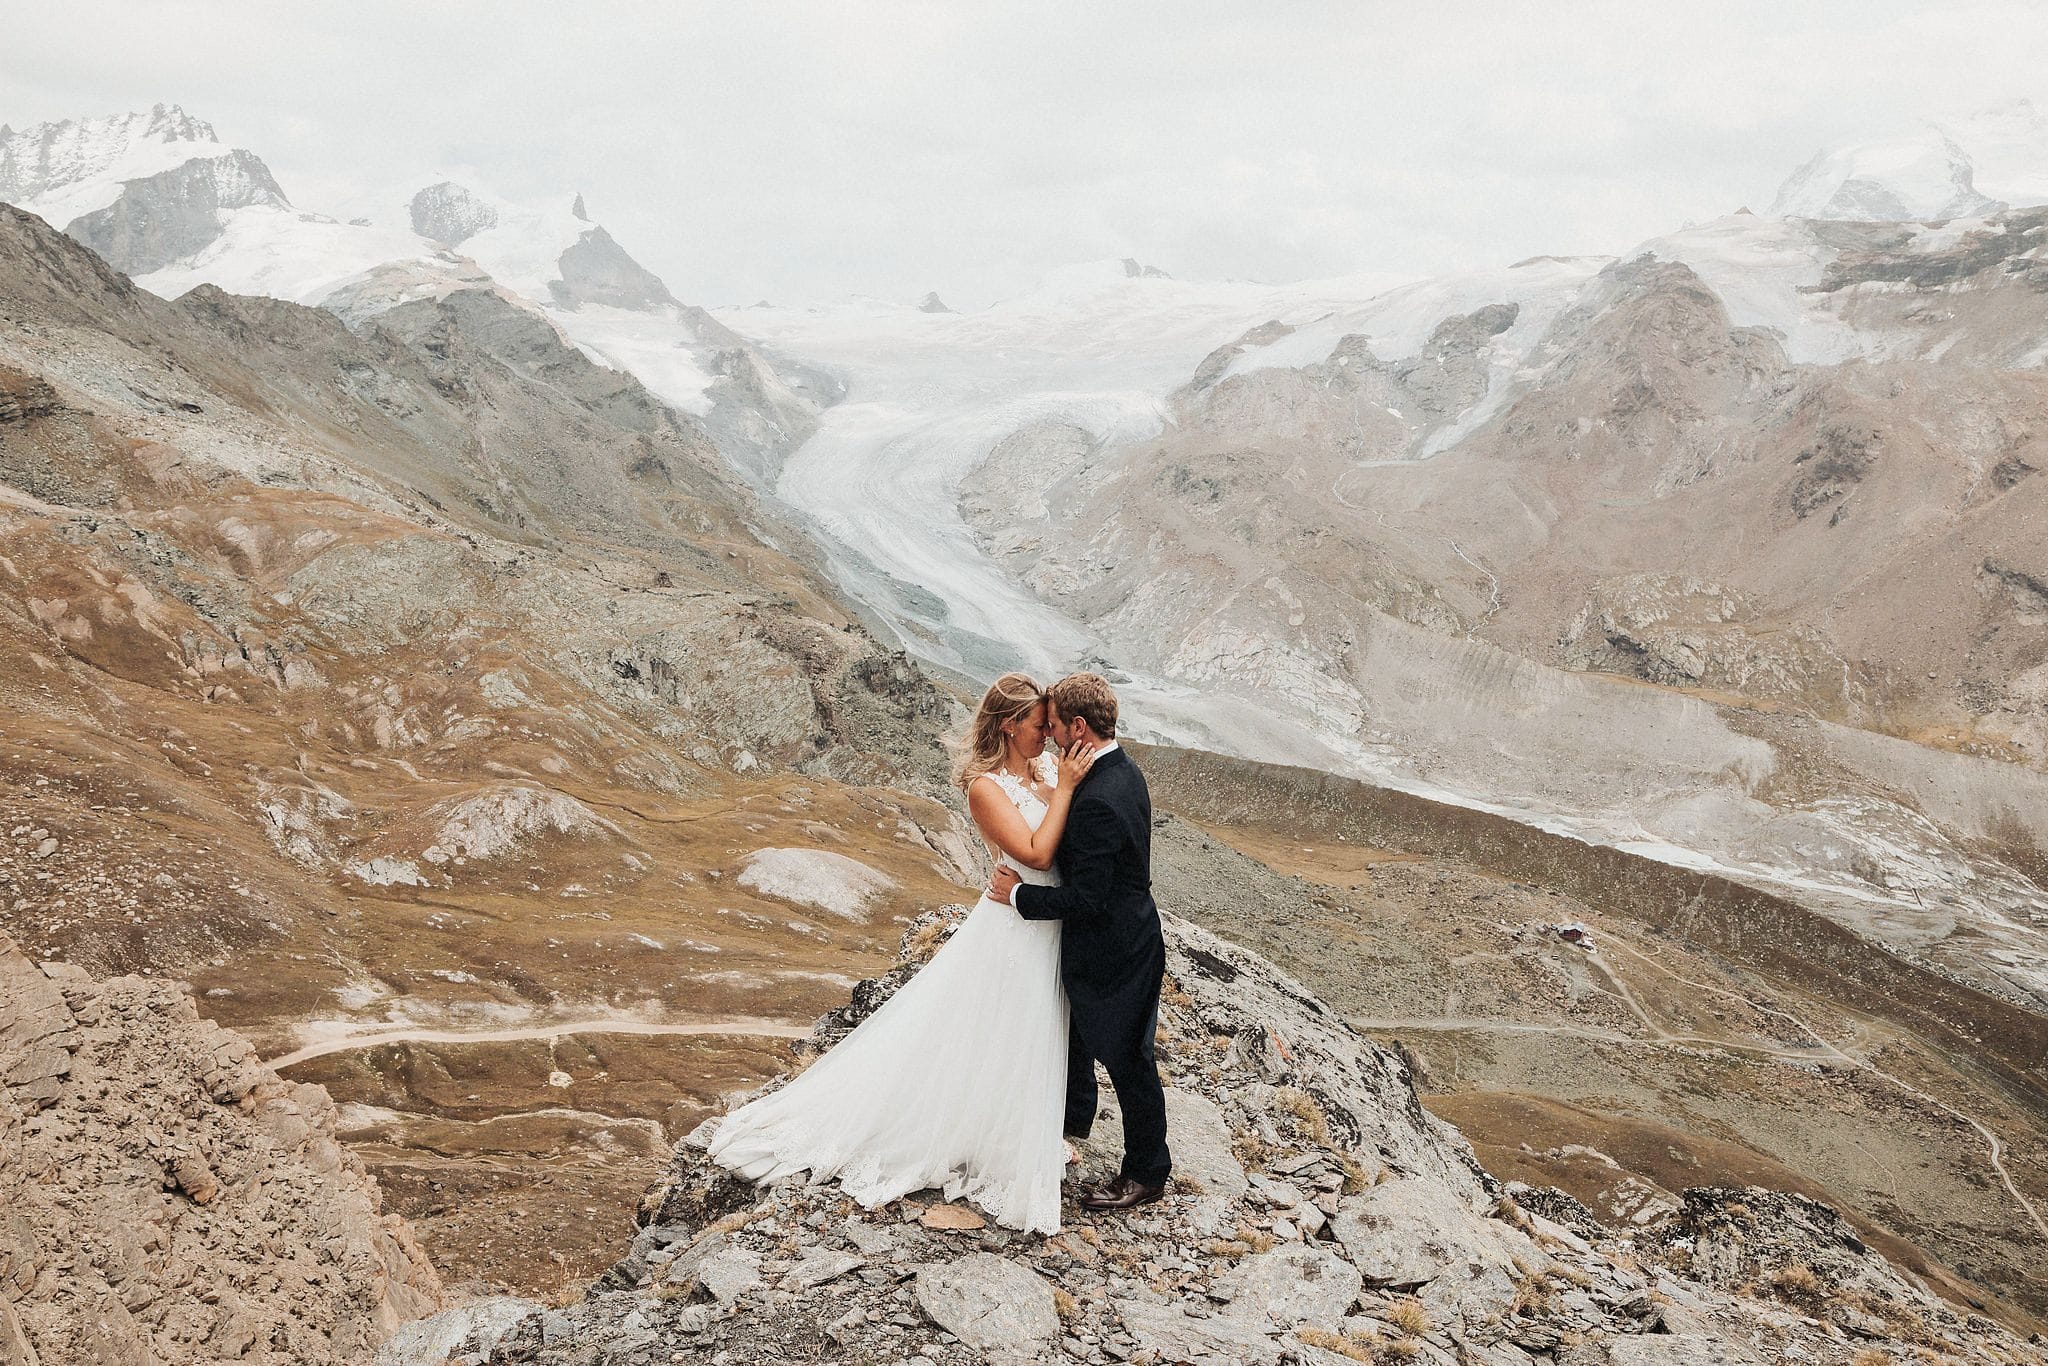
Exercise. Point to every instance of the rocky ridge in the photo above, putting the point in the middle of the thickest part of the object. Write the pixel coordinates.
(1639, 481)
(1317, 1215)
(160, 198)
(168, 1199)
(143, 190)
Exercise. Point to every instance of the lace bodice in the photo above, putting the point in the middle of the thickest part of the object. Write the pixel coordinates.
(1033, 808)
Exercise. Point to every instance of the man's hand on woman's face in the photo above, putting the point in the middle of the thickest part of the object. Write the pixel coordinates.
(1003, 883)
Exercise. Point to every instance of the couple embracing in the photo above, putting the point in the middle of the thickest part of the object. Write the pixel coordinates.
(964, 1080)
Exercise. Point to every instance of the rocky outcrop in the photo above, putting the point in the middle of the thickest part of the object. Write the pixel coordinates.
(166, 217)
(1317, 1215)
(449, 214)
(1686, 632)
(48, 156)
(168, 1199)
(596, 270)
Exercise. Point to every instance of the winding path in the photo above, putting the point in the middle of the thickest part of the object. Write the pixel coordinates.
(1662, 1037)
(350, 1040)
(1991, 1140)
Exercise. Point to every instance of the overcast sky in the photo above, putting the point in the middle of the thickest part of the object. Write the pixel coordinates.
(802, 152)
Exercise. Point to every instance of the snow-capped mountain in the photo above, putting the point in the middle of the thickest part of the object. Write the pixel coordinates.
(1404, 531)
(1995, 158)
(2008, 147)
(163, 200)
(1330, 522)
(143, 190)
(37, 162)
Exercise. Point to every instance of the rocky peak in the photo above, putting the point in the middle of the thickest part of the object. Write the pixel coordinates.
(1317, 1215)
(1652, 383)
(577, 211)
(450, 214)
(932, 303)
(168, 216)
(595, 269)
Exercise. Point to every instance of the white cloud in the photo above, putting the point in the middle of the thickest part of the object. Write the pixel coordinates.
(799, 151)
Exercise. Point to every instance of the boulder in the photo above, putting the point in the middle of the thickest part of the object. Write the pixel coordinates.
(1412, 1230)
(1173, 1334)
(1304, 1283)
(723, 1269)
(990, 1303)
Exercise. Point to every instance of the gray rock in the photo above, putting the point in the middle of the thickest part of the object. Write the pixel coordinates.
(1200, 1137)
(474, 1327)
(450, 214)
(725, 1270)
(990, 1303)
(163, 218)
(1291, 1285)
(1664, 1349)
(1473, 1288)
(1175, 1335)
(871, 1240)
(691, 1318)
(1411, 1230)
(1299, 1162)
(596, 270)
(818, 1266)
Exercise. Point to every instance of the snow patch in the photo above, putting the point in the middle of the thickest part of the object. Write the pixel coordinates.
(507, 818)
(815, 877)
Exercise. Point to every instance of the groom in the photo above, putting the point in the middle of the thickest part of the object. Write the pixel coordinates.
(1112, 954)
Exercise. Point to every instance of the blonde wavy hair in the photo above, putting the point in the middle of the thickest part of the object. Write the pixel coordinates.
(1009, 697)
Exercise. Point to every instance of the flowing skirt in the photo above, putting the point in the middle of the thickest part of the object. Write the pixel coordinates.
(957, 1084)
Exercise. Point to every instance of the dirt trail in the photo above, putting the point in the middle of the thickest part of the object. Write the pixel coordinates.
(369, 1038)
(1833, 1053)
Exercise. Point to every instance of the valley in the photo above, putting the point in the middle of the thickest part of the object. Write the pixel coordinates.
(1596, 1031)
(513, 697)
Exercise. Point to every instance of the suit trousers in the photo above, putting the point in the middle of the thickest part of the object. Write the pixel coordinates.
(1133, 1068)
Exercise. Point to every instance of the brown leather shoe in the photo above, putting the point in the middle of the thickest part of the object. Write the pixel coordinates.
(1120, 1194)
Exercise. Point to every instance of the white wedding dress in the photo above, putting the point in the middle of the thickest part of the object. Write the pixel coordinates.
(957, 1083)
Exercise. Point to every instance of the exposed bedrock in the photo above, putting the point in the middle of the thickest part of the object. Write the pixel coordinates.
(168, 1199)
(1318, 1214)
(172, 214)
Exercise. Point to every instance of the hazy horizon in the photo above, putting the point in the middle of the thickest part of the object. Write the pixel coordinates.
(802, 153)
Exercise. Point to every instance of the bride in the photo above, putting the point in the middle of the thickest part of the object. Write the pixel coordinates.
(958, 1081)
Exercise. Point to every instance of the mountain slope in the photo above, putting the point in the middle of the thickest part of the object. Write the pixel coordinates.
(170, 1199)
(161, 199)
(1318, 1214)
(429, 679)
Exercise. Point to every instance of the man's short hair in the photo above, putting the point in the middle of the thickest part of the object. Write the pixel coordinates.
(1089, 697)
